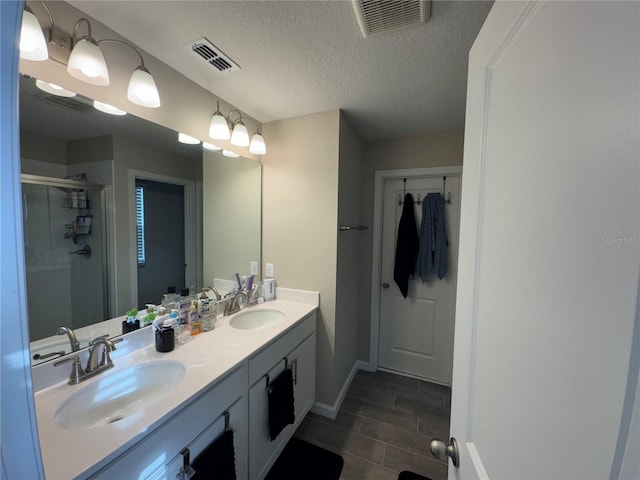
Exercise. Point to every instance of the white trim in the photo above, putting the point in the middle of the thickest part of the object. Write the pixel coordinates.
(191, 247)
(330, 411)
(376, 253)
(20, 450)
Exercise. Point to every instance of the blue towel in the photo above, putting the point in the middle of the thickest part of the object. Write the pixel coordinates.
(432, 256)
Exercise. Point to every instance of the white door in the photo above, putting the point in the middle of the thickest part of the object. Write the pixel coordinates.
(416, 333)
(549, 244)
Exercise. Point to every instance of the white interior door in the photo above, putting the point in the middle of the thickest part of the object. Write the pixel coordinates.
(416, 333)
(549, 244)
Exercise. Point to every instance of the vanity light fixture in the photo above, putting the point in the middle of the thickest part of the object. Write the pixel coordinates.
(106, 108)
(184, 138)
(86, 61)
(218, 127)
(257, 145)
(229, 153)
(54, 89)
(33, 45)
(223, 128)
(210, 146)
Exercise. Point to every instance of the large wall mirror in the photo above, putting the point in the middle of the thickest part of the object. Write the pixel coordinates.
(91, 183)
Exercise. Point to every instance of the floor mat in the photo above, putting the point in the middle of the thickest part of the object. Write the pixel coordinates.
(300, 459)
(411, 476)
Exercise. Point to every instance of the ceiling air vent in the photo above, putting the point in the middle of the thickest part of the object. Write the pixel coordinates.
(379, 16)
(67, 102)
(214, 56)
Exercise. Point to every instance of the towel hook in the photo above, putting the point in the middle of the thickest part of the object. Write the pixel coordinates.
(227, 419)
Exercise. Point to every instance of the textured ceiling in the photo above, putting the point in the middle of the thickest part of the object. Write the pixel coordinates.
(303, 57)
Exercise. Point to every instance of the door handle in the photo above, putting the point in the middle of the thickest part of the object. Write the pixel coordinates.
(441, 450)
(385, 285)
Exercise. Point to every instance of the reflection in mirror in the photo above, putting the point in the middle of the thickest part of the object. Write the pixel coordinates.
(65, 137)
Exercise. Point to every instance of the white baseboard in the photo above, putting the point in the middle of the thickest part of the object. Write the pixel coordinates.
(330, 411)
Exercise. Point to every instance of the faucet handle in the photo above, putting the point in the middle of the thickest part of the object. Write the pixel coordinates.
(108, 347)
(76, 369)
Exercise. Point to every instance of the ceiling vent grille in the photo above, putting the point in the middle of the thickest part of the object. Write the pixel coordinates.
(214, 56)
(379, 16)
(67, 102)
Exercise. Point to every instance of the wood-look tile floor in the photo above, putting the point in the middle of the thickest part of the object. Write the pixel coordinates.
(384, 426)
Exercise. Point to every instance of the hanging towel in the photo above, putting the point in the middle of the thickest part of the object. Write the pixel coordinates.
(406, 246)
(433, 238)
(218, 460)
(281, 403)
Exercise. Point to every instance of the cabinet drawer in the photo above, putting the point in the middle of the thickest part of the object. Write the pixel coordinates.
(273, 353)
(154, 451)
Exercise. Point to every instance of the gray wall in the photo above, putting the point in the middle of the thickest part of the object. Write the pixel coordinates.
(131, 155)
(348, 306)
(300, 220)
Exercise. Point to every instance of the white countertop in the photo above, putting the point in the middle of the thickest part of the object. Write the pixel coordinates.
(208, 357)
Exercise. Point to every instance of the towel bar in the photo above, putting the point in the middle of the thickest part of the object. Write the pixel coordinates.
(344, 228)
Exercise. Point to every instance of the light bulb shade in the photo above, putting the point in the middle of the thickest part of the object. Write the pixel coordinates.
(229, 153)
(106, 108)
(142, 89)
(257, 146)
(184, 138)
(218, 128)
(86, 63)
(33, 45)
(240, 136)
(210, 146)
(54, 89)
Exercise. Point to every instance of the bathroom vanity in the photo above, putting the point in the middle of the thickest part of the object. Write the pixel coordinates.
(180, 400)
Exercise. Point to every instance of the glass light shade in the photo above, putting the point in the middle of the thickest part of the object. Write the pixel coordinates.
(33, 45)
(229, 153)
(142, 89)
(106, 108)
(54, 89)
(218, 128)
(184, 138)
(240, 136)
(257, 146)
(211, 146)
(86, 63)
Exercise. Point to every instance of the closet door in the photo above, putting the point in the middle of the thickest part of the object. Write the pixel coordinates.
(416, 333)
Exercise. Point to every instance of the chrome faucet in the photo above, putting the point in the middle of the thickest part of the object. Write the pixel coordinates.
(215, 292)
(75, 345)
(78, 374)
(233, 305)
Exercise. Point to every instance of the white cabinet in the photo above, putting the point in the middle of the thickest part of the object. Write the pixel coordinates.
(243, 393)
(298, 347)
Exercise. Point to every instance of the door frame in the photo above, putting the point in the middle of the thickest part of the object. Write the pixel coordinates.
(381, 176)
(192, 227)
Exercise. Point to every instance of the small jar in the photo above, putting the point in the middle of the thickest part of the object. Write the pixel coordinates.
(165, 338)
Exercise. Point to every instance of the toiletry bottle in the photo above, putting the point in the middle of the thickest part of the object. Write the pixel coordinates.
(184, 305)
(207, 317)
(194, 321)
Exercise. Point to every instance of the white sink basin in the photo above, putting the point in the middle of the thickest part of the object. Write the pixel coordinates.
(255, 319)
(117, 395)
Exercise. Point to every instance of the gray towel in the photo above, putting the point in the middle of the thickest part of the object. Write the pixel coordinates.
(432, 256)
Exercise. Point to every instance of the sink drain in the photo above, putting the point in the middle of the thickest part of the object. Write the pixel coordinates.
(114, 419)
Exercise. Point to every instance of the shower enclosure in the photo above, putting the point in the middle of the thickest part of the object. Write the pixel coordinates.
(65, 253)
